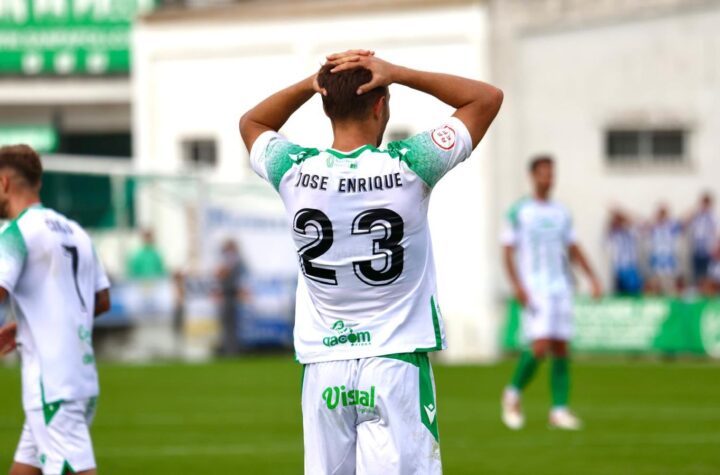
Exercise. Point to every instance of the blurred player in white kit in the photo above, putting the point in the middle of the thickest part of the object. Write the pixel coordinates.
(56, 286)
(539, 247)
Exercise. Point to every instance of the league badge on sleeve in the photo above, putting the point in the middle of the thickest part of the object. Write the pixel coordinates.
(444, 137)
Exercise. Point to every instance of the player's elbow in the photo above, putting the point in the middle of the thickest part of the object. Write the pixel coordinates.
(495, 99)
(244, 123)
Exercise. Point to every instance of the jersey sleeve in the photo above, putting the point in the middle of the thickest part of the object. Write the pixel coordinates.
(433, 153)
(101, 279)
(511, 228)
(13, 254)
(272, 156)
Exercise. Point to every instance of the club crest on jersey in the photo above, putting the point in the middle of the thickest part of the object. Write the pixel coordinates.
(345, 334)
(444, 137)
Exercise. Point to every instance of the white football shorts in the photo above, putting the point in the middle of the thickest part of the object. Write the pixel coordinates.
(56, 438)
(548, 316)
(371, 416)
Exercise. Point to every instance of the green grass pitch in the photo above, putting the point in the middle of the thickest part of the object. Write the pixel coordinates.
(244, 417)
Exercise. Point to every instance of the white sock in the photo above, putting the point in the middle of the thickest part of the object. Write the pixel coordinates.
(512, 393)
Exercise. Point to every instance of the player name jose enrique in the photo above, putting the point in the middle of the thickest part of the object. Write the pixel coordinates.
(350, 185)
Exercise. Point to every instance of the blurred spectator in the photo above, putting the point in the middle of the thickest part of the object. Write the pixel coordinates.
(710, 286)
(622, 241)
(664, 234)
(179, 310)
(230, 275)
(702, 233)
(146, 262)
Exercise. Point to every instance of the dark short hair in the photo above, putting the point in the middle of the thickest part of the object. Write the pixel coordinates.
(24, 160)
(538, 160)
(342, 101)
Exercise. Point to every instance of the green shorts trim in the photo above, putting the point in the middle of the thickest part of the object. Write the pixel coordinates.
(428, 407)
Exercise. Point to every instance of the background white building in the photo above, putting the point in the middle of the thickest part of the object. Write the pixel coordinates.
(65, 90)
(197, 71)
(625, 95)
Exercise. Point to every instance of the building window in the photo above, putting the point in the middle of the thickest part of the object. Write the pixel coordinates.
(646, 146)
(200, 153)
(99, 144)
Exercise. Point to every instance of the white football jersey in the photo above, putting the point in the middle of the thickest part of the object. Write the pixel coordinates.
(50, 269)
(540, 232)
(359, 221)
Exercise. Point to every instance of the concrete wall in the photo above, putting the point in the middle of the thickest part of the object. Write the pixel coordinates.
(572, 83)
(569, 70)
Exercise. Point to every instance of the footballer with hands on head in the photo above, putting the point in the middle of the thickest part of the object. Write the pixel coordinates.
(367, 312)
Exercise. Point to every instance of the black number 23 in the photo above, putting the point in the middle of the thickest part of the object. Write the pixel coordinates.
(387, 247)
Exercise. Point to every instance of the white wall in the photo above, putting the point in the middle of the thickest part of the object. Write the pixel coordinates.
(575, 82)
(195, 78)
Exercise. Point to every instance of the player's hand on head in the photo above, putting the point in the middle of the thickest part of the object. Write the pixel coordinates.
(351, 53)
(7, 338)
(317, 88)
(381, 70)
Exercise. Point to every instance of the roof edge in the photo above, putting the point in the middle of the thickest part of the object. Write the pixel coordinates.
(260, 10)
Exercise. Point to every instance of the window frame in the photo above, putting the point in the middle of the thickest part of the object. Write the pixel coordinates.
(647, 157)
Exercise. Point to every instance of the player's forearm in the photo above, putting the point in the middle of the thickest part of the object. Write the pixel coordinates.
(577, 256)
(476, 103)
(509, 261)
(454, 91)
(273, 112)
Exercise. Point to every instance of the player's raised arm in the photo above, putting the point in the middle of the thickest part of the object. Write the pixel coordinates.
(272, 113)
(476, 103)
(511, 271)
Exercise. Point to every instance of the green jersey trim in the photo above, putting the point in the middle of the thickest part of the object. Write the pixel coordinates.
(32, 206)
(281, 156)
(514, 211)
(13, 238)
(353, 154)
(421, 157)
(436, 327)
